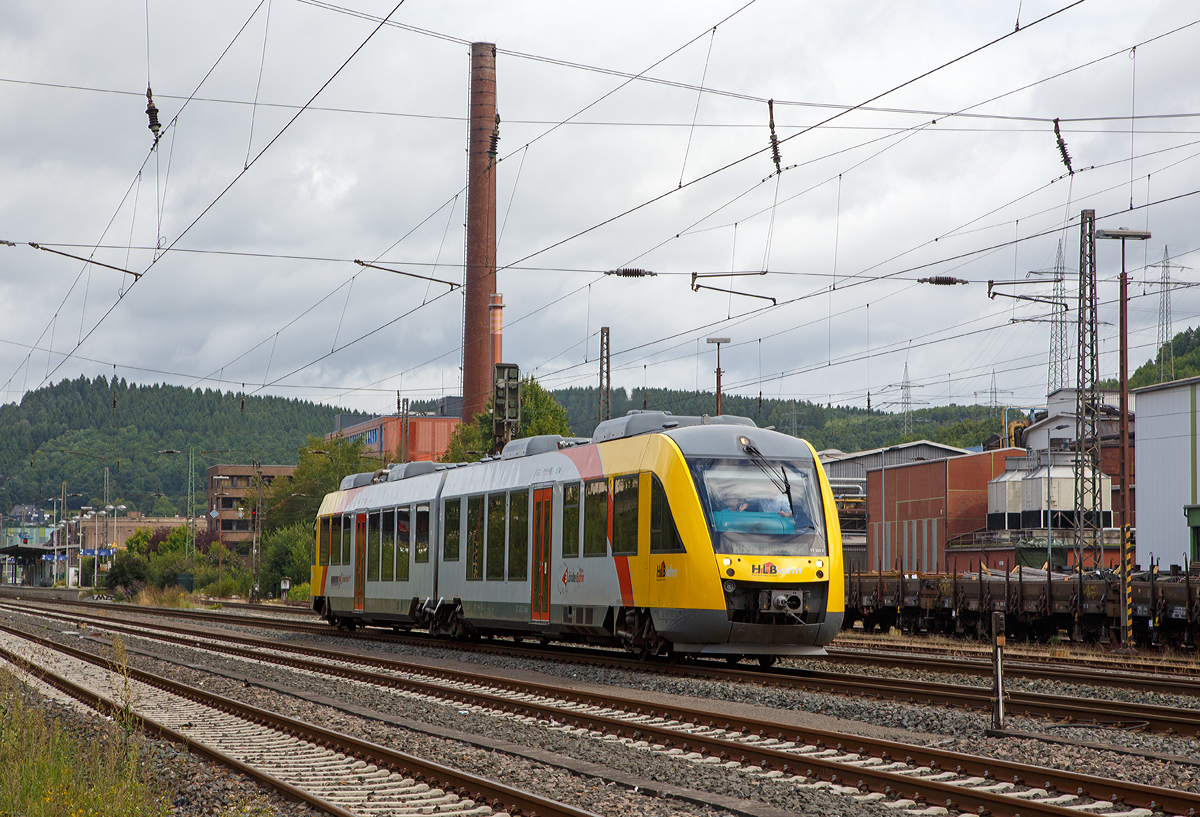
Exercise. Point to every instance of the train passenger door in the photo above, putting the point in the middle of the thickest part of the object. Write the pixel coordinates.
(543, 505)
(360, 561)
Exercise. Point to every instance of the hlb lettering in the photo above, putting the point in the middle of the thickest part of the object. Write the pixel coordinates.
(766, 569)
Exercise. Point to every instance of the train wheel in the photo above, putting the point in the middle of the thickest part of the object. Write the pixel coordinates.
(767, 661)
(732, 659)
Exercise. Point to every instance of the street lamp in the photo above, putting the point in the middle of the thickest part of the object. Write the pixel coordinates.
(1122, 234)
(96, 550)
(718, 341)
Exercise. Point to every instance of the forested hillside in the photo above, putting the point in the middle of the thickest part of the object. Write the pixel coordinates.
(825, 426)
(70, 432)
(1185, 348)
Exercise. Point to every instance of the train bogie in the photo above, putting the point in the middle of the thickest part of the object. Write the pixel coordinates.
(664, 534)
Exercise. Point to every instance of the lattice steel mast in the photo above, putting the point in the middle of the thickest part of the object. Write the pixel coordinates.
(1088, 505)
(1058, 377)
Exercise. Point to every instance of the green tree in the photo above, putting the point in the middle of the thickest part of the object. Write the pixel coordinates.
(322, 465)
(138, 542)
(540, 414)
(127, 568)
(162, 507)
(286, 552)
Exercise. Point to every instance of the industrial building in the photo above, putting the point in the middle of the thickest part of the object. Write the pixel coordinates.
(401, 438)
(1031, 518)
(848, 477)
(1167, 457)
(915, 508)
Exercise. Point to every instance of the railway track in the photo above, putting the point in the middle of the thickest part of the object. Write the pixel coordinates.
(1135, 660)
(912, 777)
(1067, 709)
(336, 773)
(1019, 668)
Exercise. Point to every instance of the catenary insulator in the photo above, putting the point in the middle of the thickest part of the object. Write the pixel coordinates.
(774, 138)
(152, 112)
(631, 272)
(942, 281)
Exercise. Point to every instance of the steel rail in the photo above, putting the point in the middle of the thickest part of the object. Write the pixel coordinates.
(1019, 668)
(1134, 794)
(107, 707)
(495, 794)
(1166, 720)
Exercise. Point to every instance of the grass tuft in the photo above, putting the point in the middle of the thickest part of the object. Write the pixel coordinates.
(57, 768)
(173, 596)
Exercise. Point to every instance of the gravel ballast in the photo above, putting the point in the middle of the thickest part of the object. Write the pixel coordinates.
(945, 728)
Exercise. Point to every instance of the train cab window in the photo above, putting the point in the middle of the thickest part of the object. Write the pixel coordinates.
(570, 531)
(625, 516)
(595, 518)
(373, 543)
(495, 536)
(421, 532)
(518, 535)
(475, 528)
(323, 539)
(387, 549)
(762, 507)
(450, 530)
(664, 536)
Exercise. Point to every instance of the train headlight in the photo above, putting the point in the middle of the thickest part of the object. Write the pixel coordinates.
(727, 561)
(729, 587)
(820, 562)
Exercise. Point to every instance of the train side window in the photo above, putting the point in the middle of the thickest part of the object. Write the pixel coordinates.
(664, 537)
(387, 532)
(323, 539)
(347, 526)
(450, 532)
(421, 533)
(625, 516)
(475, 527)
(495, 537)
(402, 549)
(373, 543)
(595, 518)
(518, 535)
(570, 531)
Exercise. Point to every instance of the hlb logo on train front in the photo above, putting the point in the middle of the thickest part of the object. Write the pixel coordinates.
(764, 569)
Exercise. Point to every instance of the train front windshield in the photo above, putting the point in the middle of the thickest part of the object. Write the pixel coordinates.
(761, 507)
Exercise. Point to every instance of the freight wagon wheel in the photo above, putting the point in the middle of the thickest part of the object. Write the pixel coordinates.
(767, 661)
(732, 659)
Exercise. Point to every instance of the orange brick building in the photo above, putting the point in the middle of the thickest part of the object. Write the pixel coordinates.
(425, 438)
(913, 509)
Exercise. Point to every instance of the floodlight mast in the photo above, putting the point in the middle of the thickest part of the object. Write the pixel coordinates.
(718, 341)
(1122, 234)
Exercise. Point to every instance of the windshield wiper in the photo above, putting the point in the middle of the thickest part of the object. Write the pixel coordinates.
(783, 485)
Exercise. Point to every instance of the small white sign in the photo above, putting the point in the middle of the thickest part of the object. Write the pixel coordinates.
(241, 512)
(213, 513)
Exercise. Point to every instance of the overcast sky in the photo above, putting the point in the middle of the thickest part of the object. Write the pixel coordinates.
(915, 140)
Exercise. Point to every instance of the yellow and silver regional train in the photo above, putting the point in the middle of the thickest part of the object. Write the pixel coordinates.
(662, 534)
